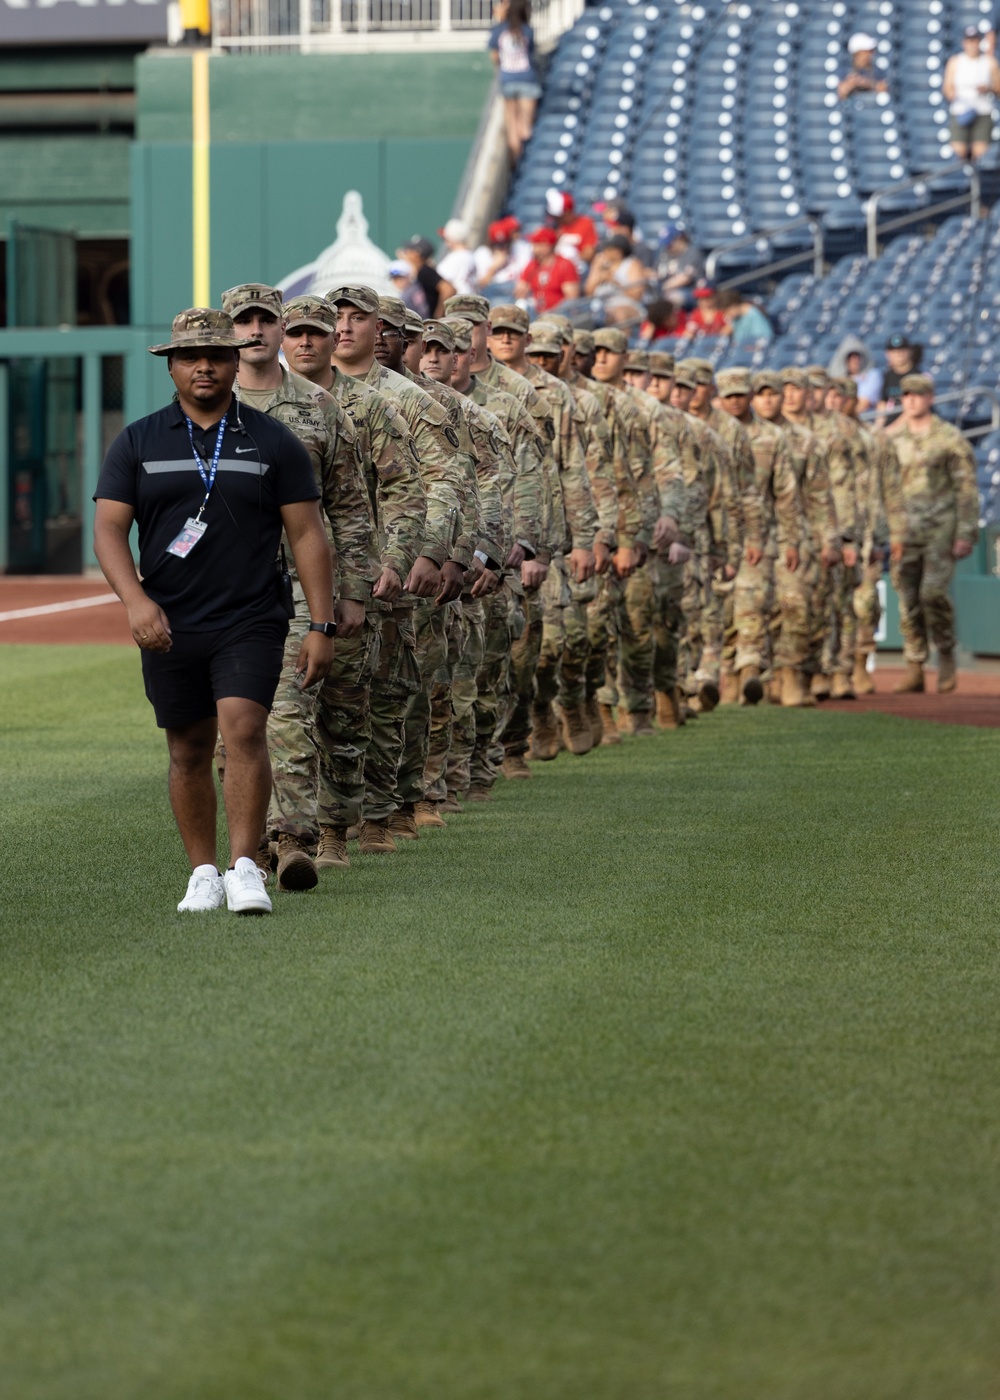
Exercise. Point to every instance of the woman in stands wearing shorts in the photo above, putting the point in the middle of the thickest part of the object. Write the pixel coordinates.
(971, 83)
(512, 49)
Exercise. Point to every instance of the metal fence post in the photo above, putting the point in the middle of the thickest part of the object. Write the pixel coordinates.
(4, 473)
(92, 451)
(305, 25)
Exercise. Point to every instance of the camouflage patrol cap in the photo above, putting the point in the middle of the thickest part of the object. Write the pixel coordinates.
(503, 318)
(392, 311)
(791, 374)
(608, 338)
(473, 308)
(766, 379)
(562, 324)
(661, 364)
(462, 331)
(413, 325)
(817, 376)
(545, 339)
(637, 360)
(203, 327)
(439, 333)
(310, 311)
(916, 384)
(733, 381)
(684, 377)
(361, 297)
(252, 296)
(583, 342)
(703, 370)
(847, 386)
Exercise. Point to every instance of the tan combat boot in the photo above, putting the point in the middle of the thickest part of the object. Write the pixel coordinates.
(751, 688)
(544, 735)
(262, 859)
(331, 853)
(403, 824)
(593, 711)
(478, 793)
(861, 680)
(376, 839)
(296, 868)
(451, 803)
(610, 733)
(912, 682)
(730, 692)
(819, 686)
(576, 730)
(793, 692)
(708, 694)
(640, 723)
(426, 814)
(772, 690)
(515, 766)
(841, 688)
(947, 679)
(668, 709)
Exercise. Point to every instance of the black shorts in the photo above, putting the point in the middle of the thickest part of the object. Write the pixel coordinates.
(243, 661)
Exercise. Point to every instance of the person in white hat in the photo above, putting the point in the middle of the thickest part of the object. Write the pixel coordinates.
(458, 266)
(861, 75)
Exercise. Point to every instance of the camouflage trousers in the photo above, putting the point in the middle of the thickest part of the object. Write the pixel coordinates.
(442, 681)
(603, 633)
(819, 658)
(842, 622)
(692, 640)
(395, 681)
(752, 603)
(670, 585)
(790, 620)
(503, 625)
(576, 644)
(922, 580)
(718, 597)
(516, 730)
(464, 693)
(430, 626)
(556, 602)
(635, 624)
(318, 738)
(867, 608)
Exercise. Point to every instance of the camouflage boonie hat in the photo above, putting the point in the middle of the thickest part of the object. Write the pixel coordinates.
(502, 318)
(204, 327)
(545, 339)
(583, 342)
(361, 297)
(562, 324)
(817, 376)
(250, 296)
(608, 338)
(413, 325)
(847, 386)
(637, 360)
(733, 381)
(439, 333)
(393, 311)
(310, 311)
(661, 364)
(462, 331)
(791, 374)
(473, 308)
(703, 370)
(766, 379)
(684, 377)
(916, 384)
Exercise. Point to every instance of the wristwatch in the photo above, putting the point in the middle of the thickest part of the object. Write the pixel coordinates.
(329, 629)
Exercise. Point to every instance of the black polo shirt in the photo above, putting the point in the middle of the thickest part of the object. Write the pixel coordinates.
(229, 576)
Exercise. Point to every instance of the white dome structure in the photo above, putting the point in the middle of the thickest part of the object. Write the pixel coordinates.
(351, 259)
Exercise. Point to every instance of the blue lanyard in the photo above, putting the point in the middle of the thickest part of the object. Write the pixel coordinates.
(207, 476)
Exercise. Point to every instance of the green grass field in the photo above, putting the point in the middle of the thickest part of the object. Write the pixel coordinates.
(672, 1075)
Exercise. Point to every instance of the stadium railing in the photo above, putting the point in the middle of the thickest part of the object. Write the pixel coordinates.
(814, 254)
(920, 184)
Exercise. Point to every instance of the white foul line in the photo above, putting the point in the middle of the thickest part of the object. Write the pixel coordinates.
(58, 607)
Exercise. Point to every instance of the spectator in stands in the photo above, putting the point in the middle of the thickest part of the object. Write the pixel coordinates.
(408, 289)
(577, 233)
(512, 49)
(458, 266)
(745, 321)
(549, 278)
(853, 358)
(971, 82)
(861, 74)
(616, 269)
(503, 257)
(418, 252)
(619, 221)
(904, 358)
(679, 266)
(663, 321)
(708, 318)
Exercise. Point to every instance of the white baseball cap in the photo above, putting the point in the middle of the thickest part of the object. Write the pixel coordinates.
(455, 231)
(861, 43)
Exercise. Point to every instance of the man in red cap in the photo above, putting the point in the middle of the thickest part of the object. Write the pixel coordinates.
(504, 255)
(577, 234)
(548, 278)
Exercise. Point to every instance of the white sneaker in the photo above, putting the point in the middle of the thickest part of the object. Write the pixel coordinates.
(245, 892)
(205, 891)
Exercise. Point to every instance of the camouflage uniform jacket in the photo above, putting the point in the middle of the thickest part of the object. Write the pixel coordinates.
(526, 496)
(494, 461)
(427, 421)
(812, 472)
(328, 435)
(393, 477)
(750, 508)
(471, 523)
(498, 376)
(572, 517)
(720, 483)
(599, 456)
(931, 486)
(629, 521)
(885, 464)
(675, 469)
(777, 486)
(830, 429)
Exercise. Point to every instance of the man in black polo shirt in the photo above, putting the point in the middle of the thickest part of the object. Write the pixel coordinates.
(210, 487)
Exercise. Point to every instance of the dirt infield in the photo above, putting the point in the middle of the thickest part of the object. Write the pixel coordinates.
(976, 701)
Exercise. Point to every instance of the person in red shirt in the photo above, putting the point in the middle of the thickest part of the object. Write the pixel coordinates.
(548, 279)
(577, 233)
(707, 317)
